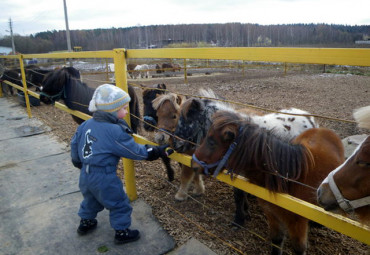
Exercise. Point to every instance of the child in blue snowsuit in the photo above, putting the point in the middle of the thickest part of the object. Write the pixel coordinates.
(96, 148)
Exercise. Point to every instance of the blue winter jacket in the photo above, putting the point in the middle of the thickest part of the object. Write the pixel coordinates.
(102, 140)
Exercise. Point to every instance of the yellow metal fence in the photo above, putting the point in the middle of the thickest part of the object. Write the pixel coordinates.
(351, 57)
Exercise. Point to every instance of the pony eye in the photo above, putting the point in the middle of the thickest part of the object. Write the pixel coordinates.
(363, 163)
(211, 142)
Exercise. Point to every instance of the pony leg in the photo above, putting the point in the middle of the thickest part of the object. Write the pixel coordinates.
(199, 185)
(241, 208)
(277, 236)
(297, 230)
(187, 175)
(170, 171)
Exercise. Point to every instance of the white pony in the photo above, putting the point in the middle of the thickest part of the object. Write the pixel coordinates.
(142, 71)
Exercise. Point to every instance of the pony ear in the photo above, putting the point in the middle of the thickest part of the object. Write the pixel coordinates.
(179, 100)
(162, 86)
(197, 104)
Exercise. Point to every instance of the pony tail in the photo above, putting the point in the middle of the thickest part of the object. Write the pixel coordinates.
(362, 117)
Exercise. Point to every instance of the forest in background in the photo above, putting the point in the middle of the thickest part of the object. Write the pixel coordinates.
(194, 35)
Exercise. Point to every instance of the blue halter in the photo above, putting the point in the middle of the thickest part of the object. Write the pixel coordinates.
(150, 120)
(221, 163)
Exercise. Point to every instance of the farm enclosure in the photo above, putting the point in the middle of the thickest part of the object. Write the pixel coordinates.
(329, 95)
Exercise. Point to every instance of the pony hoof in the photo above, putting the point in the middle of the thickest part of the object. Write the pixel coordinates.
(235, 227)
(198, 192)
(195, 194)
(180, 197)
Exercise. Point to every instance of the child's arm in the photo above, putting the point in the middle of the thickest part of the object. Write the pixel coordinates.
(128, 148)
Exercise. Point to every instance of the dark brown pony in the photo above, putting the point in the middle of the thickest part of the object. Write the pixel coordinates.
(149, 94)
(167, 67)
(271, 161)
(348, 186)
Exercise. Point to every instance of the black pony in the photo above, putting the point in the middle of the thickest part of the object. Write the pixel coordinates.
(65, 83)
(35, 76)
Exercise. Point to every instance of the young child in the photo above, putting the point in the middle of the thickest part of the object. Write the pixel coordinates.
(96, 148)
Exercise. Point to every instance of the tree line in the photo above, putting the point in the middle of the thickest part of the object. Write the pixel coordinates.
(221, 35)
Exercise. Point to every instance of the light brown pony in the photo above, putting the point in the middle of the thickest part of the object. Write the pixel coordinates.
(270, 161)
(347, 188)
(167, 107)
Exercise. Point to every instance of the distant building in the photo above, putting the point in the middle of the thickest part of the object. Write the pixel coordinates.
(5, 50)
(365, 40)
(362, 42)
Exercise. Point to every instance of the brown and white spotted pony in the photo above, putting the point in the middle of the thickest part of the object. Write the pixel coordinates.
(194, 122)
(347, 188)
(276, 163)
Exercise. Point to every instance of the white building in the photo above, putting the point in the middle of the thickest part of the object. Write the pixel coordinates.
(5, 50)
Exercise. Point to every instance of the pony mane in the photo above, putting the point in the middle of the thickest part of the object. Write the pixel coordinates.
(362, 117)
(260, 147)
(158, 102)
(207, 93)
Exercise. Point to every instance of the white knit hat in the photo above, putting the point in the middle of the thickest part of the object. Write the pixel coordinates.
(108, 98)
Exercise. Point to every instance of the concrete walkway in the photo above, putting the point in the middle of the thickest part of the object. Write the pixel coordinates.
(39, 199)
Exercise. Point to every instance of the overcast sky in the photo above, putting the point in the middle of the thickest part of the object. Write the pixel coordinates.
(31, 16)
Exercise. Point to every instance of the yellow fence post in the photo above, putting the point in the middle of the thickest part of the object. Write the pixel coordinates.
(120, 70)
(24, 81)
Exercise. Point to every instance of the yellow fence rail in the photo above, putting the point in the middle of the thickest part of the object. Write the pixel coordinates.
(351, 57)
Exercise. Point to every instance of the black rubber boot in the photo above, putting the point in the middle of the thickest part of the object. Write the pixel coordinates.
(126, 236)
(87, 226)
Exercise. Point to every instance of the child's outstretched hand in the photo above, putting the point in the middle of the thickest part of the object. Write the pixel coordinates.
(154, 152)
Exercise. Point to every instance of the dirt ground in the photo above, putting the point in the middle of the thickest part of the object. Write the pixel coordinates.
(208, 218)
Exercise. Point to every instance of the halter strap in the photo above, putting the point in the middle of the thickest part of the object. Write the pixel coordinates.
(166, 131)
(220, 163)
(55, 97)
(150, 119)
(347, 205)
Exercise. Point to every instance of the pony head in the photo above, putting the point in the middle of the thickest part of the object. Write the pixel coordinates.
(167, 107)
(53, 85)
(150, 114)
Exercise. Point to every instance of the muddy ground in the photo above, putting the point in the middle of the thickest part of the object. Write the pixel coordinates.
(208, 218)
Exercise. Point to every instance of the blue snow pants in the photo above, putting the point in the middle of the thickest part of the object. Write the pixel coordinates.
(102, 188)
